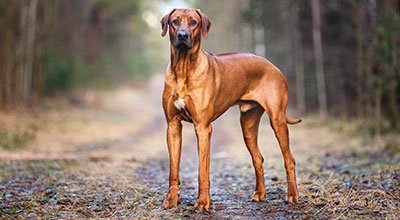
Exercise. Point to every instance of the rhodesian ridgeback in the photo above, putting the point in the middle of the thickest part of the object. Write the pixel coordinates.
(200, 86)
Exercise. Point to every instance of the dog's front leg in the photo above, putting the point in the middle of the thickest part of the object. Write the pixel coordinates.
(174, 141)
(203, 133)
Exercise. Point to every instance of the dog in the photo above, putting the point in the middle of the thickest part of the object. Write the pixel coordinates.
(200, 86)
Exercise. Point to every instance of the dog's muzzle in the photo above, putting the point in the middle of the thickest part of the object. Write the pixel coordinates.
(182, 40)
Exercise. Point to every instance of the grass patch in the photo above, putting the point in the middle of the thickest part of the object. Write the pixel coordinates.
(16, 140)
(392, 146)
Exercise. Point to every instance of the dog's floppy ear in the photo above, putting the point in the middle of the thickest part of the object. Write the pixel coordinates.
(164, 23)
(205, 23)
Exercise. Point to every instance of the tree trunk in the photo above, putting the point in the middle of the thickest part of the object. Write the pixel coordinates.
(30, 43)
(369, 61)
(253, 37)
(318, 56)
(2, 27)
(43, 26)
(393, 85)
(378, 109)
(298, 60)
(266, 36)
(359, 35)
(9, 14)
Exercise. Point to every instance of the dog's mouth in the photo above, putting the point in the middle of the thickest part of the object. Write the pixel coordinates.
(183, 45)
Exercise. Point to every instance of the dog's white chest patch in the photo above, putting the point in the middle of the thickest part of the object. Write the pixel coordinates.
(179, 104)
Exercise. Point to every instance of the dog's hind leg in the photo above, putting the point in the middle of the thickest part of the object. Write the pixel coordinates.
(250, 121)
(274, 99)
(279, 125)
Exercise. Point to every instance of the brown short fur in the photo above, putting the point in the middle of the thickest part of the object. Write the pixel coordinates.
(207, 85)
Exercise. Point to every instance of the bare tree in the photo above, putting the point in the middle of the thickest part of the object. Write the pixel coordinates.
(318, 56)
(359, 35)
(298, 60)
(8, 12)
(29, 52)
(369, 57)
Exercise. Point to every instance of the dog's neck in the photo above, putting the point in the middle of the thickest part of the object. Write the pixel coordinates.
(183, 64)
(182, 61)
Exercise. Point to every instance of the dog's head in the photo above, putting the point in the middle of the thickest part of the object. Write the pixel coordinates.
(186, 27)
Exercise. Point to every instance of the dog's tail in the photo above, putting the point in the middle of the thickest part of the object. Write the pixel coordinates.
(293, 121)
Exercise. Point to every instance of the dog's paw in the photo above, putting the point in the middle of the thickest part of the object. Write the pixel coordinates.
(292, 199)
(258, 197)
(202, 204)
(292, 193)
(171, 201)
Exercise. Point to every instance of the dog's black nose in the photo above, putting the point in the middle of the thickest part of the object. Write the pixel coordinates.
(183, 35)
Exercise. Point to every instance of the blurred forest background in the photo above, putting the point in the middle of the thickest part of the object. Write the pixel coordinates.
(341, 58)
(82, 130)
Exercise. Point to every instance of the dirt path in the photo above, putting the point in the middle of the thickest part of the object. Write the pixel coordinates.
(106, 157)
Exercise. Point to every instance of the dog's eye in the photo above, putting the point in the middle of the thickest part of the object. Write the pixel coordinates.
(175, 21)
(193, 23)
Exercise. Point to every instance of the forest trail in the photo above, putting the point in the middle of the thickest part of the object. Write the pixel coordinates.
(105, 155)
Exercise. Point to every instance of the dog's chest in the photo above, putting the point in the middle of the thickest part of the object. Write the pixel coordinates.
(184, 92)
(180, 105)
